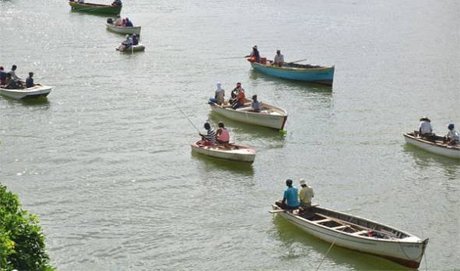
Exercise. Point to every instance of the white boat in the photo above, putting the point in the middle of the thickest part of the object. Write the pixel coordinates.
(359, 234)
(270, 116)
(134, 48)
(436, 146)
(234, 152)
(33, 92)
(124, 29)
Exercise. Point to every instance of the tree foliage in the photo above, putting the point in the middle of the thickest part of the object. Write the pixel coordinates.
(22, 244)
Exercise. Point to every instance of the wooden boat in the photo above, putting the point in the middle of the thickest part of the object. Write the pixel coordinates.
(124, 29)
(359, 234)
(437, 146)
(234, 152)
(33, 92)
(293, 71)
(270, 116)
(134, 48)
(95, 8)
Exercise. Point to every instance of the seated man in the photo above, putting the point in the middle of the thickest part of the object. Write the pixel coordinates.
(305, 195)
(425, 129)
(210, 137)
(11, 83)
(240, 99)
(452, 137)
(279, 58)
(256, 106)
(117, 3)
(126, 44)
(135, 39)
(128, 23)
(222, 136)
(290, 197)
(2, 76)
(30, 80)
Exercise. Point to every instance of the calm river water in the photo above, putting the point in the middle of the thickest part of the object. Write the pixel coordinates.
(106, 162)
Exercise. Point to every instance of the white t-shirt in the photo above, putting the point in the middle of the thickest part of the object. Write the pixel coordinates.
(425, 127)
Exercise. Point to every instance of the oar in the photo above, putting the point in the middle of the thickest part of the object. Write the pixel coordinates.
(300, 60)
(234, 57)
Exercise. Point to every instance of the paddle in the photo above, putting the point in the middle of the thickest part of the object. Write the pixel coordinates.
(234, 57)
(300, 60)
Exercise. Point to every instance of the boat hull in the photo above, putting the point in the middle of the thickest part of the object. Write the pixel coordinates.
(239, 153)
(437, 147)
(321, 75)
(272, 117)
(95, 8)
(33, 92)
(132, 49)
(124, 30)
(407, 251)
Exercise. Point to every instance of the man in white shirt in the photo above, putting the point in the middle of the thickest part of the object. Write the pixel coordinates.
(279, 58)
(424, 128)
(452, 137)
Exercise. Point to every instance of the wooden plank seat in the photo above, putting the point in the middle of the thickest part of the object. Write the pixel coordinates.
(360, 232)
(322, 220)
(340, 227)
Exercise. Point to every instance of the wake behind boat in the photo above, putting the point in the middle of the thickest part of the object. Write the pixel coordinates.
(437, 145)
(269, 116)
(228, 151)
(359, 234)
(33, 92)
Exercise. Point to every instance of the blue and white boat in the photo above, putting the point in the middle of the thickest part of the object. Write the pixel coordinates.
(299, 72)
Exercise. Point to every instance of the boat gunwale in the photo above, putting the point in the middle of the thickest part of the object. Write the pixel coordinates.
(430, 143)
(246, 105)
(295, 69)
(112, 26)
(73, 3)
(367, 238)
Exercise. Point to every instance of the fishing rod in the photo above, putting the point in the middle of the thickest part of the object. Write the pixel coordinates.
(185, 115)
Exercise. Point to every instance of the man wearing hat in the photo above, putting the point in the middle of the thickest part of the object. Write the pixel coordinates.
(290, 197)
(306, 194)
(424, 128)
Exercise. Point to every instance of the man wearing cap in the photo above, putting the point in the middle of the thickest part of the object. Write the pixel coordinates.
(306, 194)
(290, 198)
(452, 137)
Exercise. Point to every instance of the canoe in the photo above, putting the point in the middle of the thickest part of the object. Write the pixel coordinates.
(95, 8)
(233, 152)
(33, 92)
(124, 29)
(437, 146)
(133, 48)
(292, 71)
(359, 234)
(270, 116)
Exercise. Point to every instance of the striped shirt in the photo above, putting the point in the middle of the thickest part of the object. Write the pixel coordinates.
(211, 136)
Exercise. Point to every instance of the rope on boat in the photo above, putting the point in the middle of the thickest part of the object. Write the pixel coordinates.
(330, 247)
